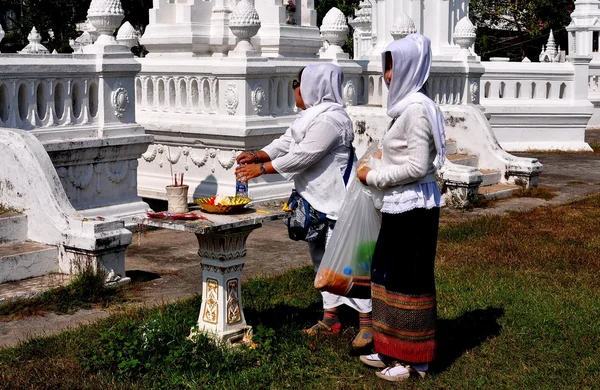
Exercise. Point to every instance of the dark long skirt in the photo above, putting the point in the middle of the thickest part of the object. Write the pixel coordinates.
(403, 286)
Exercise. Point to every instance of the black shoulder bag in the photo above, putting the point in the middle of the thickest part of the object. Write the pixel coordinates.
(306, 222)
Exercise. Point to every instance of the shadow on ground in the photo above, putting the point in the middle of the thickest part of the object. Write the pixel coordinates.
(464, 333)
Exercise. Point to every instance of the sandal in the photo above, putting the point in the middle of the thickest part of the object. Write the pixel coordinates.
(363, 339)
(322, 328)
(399, 372)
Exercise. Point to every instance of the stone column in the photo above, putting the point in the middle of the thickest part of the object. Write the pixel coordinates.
(581, 65)
(223, 257)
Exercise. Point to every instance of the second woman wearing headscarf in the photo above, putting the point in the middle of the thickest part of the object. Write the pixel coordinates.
(314, 153)
(402, 273)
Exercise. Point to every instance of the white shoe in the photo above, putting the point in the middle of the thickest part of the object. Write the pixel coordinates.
(373, 360)
(400, 372)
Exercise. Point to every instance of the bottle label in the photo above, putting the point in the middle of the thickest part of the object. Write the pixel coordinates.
(241, 188)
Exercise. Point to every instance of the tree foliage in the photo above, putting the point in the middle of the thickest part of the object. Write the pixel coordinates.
(56, 20)
(347, 7)
(518, 28)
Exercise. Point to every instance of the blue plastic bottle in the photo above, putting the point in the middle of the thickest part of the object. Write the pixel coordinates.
(241, 188)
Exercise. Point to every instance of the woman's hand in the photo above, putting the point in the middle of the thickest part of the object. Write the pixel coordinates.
(248, 171)
(362, 174)
(246, 158)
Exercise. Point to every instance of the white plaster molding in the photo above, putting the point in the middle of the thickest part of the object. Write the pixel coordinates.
(231, 98)
(227, 164)
(31, 185)
(120, 100)
(349, 93)
(259, 97)
(151, 153)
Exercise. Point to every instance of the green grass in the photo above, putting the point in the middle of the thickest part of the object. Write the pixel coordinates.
(518, 307)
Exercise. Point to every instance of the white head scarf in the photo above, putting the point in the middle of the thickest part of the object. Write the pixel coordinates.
(321, 90)
(411, 57)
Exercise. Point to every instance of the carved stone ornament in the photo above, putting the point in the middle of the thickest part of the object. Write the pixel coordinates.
(120, 101)
(465, 34)
(334, 28)
(34, 46)
(405, 27)
(127, 35)
(474, 91)
(211, 310)
(105, 16)
(234, 314)
(244, 23)
(259, 97)
(349, 93)
(231, 98)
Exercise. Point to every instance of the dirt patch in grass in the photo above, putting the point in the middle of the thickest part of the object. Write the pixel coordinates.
(546, 237)
(535, 192)
(85, 291)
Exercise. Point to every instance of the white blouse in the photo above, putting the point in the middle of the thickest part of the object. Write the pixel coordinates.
(316, 164)
(407, 174)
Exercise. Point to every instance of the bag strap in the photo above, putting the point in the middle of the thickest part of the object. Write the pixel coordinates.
(349, 166)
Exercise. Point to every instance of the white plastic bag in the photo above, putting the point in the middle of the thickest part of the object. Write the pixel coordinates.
(372, 159)
(346, 265)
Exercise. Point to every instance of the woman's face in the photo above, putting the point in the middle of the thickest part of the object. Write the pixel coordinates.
(389, 66)
(298, 96)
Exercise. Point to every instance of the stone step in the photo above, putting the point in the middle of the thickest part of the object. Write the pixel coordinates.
(25, 259)
(497, 191)
(32, 287)
(490, 177)
(451, 147)
(464, 159)
(13, 227)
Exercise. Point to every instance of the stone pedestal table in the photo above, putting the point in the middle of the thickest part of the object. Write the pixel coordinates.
(222, 249)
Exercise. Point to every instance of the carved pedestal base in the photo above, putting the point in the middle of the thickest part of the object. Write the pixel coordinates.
(223, 256)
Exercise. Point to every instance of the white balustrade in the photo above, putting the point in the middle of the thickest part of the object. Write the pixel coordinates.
(197, 95)
(594, 82)
(526, 81)
(45, 102)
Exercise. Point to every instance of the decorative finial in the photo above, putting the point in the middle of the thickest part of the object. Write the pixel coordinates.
(127, 35)
(244, 24)
(334, 31)
(465, 34)
(403, 28)
(105, 16)
(34, 46)
(84, 40)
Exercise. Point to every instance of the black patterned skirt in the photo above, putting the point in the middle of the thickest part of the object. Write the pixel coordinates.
(403, 286)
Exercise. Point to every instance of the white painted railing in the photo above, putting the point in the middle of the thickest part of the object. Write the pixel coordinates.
(504, 81)
(449, 84)
(57, 91)
(594, 82)
(82, 108)
(199, 94)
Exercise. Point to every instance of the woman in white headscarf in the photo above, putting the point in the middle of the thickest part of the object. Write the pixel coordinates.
(315, 152)
(402, 273)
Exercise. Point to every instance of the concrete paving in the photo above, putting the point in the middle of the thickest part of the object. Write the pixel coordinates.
(165, 267)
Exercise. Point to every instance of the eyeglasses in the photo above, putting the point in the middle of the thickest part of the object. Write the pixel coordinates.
(295, 84)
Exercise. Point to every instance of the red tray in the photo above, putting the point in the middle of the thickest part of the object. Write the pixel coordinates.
(174, 216)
